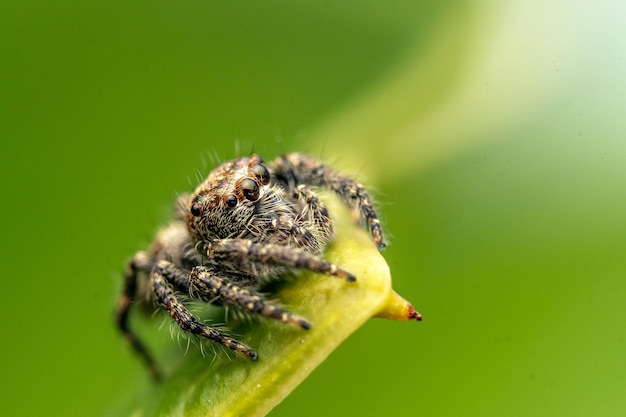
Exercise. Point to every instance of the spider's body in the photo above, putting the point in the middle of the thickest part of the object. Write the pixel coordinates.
(246, 221)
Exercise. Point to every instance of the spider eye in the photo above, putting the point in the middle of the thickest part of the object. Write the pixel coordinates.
(195, 209)
(250, 189)
(261, 173)
(230, 200)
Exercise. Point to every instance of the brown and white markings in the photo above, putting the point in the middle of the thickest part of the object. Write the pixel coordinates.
(247, 221)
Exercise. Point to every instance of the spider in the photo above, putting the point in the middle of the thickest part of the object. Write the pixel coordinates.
(247, 221)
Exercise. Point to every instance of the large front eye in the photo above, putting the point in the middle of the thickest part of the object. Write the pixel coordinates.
(261, 173)
(196, 210)
(250, 189)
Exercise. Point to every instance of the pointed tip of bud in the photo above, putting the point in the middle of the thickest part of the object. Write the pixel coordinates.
(397, 308)
(413, 314)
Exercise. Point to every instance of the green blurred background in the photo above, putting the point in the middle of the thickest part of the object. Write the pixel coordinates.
(493, 133)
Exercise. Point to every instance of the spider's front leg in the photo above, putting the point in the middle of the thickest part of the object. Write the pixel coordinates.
(165, 274)
(208, 286)
(294, 169)
(243, 251)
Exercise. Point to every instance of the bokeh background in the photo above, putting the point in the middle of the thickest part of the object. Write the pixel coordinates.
(493, 133)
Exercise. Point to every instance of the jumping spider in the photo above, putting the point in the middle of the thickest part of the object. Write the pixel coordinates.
(246, 221)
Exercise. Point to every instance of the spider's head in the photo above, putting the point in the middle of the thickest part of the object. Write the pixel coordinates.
(223, 204)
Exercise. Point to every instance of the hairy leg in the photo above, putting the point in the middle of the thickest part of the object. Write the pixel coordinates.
(140, 262)
(164, 274)
(234, 252)
(315, 210)
(208, 286)
(295, 169)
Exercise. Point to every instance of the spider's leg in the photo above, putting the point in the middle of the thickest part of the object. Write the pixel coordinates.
(315, 210)
(163, 275)
(243, 250)
(139, 263)
(208, 286)
(294, 169)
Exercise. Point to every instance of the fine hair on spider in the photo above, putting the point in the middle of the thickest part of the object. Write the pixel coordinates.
(247, 221)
